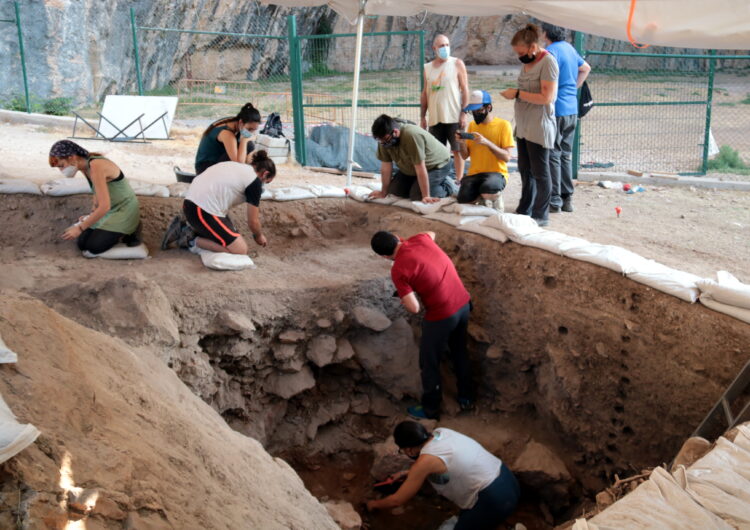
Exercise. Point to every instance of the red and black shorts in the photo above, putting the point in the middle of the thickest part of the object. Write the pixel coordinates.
(218, 229)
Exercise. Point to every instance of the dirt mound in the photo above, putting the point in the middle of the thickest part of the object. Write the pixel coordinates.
(121, 432)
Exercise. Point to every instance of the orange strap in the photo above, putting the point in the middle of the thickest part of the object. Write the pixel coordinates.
(630, 23)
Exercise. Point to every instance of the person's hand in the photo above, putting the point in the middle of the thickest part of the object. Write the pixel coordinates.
(428, 199)
(72, 232)
(371, 506)
(399, 474)
(481, 140)
(261, 240)
(377, 195)
(509, 93)
(423, 122)
(462, 121)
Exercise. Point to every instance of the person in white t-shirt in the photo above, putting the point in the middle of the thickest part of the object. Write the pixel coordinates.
(461, 470)
(210, 197)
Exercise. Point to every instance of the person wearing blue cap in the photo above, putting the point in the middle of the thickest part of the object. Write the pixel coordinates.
(488, 148)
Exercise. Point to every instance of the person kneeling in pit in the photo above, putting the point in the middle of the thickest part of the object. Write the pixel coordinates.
(210, 197)
(489, 151)
(461, 470)
(115, 215)
(423, 163)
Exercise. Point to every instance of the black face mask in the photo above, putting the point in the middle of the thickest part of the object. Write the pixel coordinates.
(480, 115)
(393, 142)
(526, 59)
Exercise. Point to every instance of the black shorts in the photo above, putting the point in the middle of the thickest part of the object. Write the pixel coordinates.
(217, 229)
(446, 132)
(472, 186)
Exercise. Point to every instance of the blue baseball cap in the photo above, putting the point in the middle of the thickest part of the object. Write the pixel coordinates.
(477, 100)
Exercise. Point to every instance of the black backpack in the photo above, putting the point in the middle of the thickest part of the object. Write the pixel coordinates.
(585, 101)
(273, 127)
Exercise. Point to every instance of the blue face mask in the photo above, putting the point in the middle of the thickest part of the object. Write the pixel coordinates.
(245, 133)
(444, 52)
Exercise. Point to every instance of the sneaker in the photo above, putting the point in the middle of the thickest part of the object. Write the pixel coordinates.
(172, 234)
(542, 222)
(417, 412)
(554, 209)
(567, 205)
(487, 203)
(466, 404)
(187, 236)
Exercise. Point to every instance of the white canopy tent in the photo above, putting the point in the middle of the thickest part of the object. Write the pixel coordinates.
(720, 24)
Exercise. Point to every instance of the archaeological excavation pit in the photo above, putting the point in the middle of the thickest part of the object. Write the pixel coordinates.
(581, 373)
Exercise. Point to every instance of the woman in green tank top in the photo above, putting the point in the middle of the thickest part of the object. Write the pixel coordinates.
(228, 139)
(115, 213)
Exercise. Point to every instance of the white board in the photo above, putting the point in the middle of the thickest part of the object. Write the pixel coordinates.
(121, 110)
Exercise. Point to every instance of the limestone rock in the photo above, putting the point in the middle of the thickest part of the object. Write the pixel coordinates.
(544, 472)
(387, 460)
(360, 404)
(381, 406)
(283, 352)
(344, 514)
(237, 322)
(494, 352)
(321, 350)
(323, 323)
(391, 359)
(289, 385)
(292, 336)
(338, 316)
(327, 412)
(344, 350)
(371, 318)
(694, 448)
(108, 508)
(478, 333)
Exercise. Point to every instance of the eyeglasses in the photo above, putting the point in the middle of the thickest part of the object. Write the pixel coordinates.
(385, 140)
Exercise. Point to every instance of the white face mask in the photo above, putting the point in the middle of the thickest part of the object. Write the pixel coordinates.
(69, 171)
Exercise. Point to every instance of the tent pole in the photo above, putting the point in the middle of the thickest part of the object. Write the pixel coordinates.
(355, 91)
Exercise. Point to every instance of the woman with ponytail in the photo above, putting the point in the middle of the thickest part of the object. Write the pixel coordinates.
(210, 197)
(115, 214)
(536, 127)
(228, 139)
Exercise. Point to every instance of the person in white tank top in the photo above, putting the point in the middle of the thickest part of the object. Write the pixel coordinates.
(445, 95)
(461, 470)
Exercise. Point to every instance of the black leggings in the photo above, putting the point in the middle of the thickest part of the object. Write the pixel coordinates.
(96, 240)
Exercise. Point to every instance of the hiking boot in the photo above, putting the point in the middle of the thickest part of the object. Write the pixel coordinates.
(187, 235)
(418, 413)
(567, 205)
(466, 405)
(172, 234)
(554, 209)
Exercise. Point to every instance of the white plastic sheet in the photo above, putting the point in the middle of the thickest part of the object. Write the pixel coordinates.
(120, 251)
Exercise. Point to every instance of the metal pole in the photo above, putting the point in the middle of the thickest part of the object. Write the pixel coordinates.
(709, 104)
(355, 91)
(421, 63)
(578, 42)
(23, 57)
(295, 73)
(135, 49)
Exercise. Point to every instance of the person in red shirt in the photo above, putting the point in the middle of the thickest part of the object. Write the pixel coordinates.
(421, 269)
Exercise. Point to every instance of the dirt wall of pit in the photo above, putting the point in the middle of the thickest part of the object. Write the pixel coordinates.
(621, 372)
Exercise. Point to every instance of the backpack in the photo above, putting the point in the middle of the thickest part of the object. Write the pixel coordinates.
(585, 101)
(273, 127)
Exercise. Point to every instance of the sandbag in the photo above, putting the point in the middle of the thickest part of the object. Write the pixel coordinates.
(552, 241)
(470, 209)
(14, 437)
(359, 193)
(148, 189)
(120, 251)
(326, 190)
(719, 490)
(388, 199)
(515, 226)
(453, 219)
(666, 279)
(293, 193)
(486, 231)
(64, 186)
(267, 194)
(8, 185)
(611, 257)
(427, 208)
(7, 355)
(740, 313)
(223, 261)
(403, 203)
(727, 290)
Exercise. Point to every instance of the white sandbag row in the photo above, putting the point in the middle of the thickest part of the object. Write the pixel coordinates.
(9, 185)
(727, 295)
(78, 186)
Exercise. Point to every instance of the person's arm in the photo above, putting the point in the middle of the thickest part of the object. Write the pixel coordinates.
(583, 73)
(411, 303)
(424, 182)
(463, 148)
(422, 468)
(423, 99)
(463, 85)
(235, 152)
(547, 96)
(100, 169)
(386, 169)
(499, 152)
(253, 221)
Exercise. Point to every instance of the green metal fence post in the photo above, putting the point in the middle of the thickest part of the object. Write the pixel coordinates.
(421, 63)
(135, 49)
(23, 57)
(578, 43)
(295, 73)
(709, 104)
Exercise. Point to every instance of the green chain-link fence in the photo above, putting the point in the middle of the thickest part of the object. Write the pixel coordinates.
(12, 33)
(663, 109)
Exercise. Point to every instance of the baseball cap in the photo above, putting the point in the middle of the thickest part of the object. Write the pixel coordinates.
(477, 100)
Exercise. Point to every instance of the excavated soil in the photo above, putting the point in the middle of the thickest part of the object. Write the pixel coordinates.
(608, 375)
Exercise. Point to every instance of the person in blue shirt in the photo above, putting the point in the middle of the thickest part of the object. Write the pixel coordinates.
(573, 72)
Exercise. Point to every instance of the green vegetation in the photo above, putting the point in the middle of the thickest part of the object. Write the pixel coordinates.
(729, 161)
(59, 106)
(746, 101)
